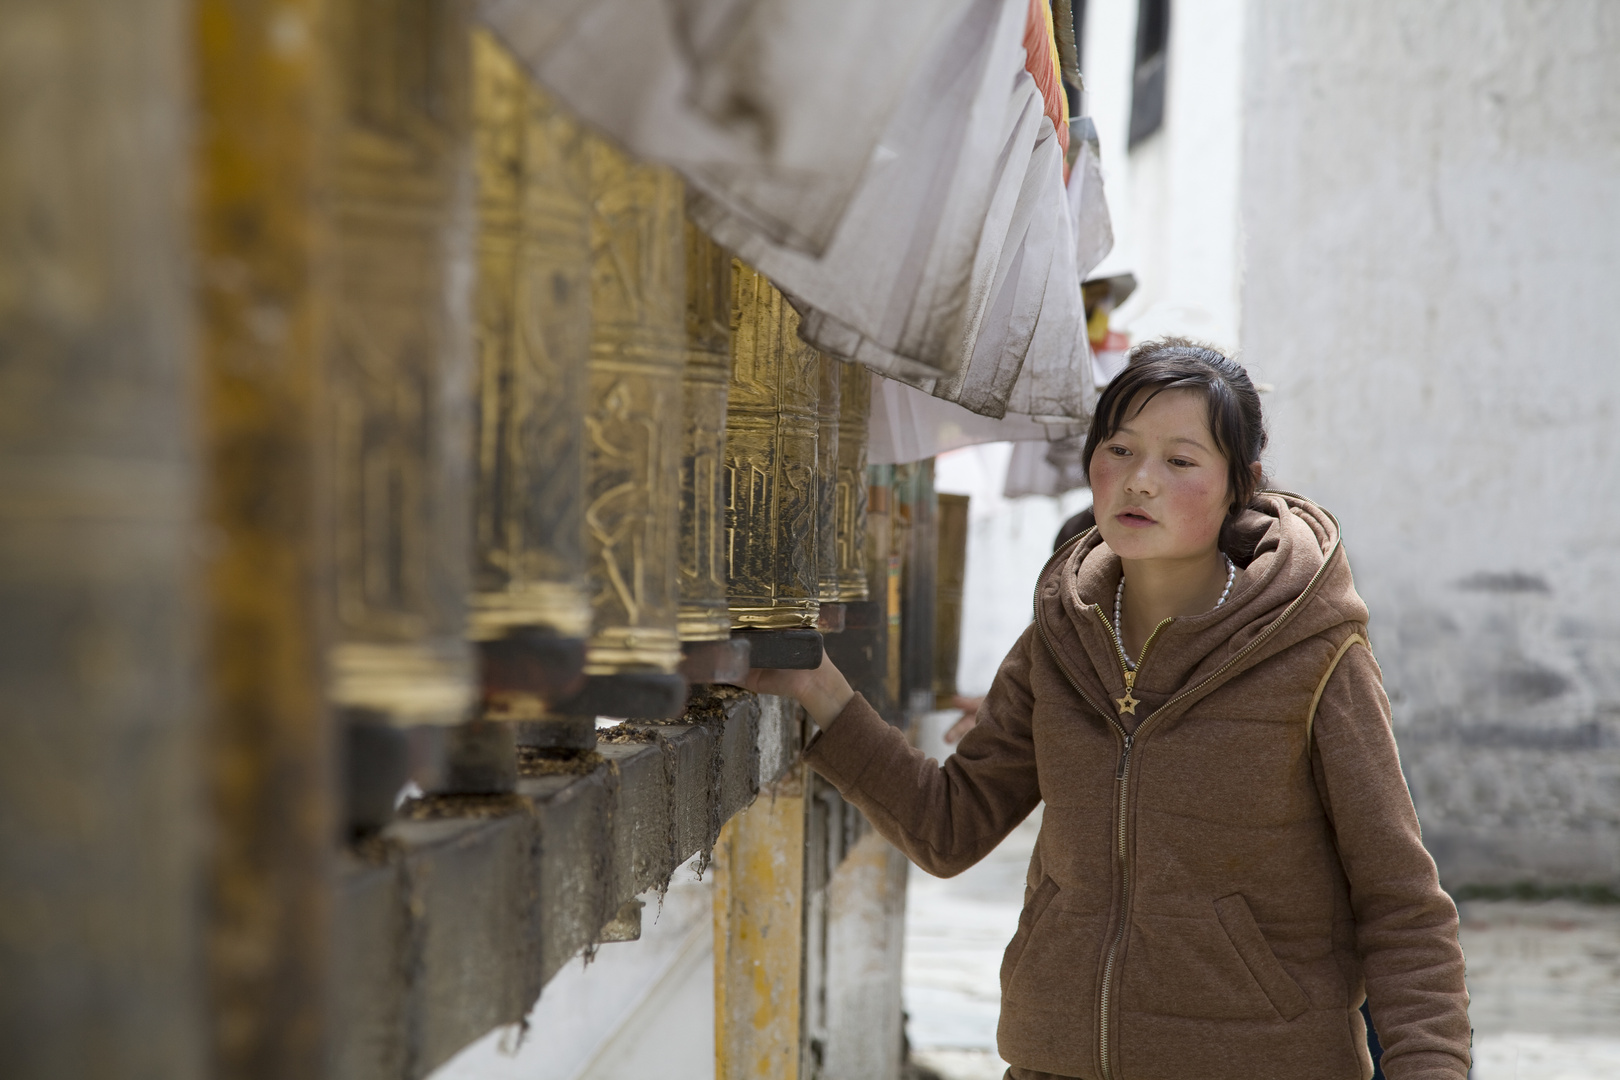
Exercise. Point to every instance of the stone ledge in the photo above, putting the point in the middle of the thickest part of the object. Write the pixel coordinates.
(448, 927)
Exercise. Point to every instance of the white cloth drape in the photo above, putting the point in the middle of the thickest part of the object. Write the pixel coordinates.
(901, 284)
(771, 107)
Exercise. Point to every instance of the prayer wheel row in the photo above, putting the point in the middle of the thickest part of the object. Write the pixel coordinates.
(655, 459)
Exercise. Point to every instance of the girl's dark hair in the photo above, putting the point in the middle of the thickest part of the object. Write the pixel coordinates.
(1174, 363)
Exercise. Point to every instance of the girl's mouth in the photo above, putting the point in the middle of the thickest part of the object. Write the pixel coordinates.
(1134, 518)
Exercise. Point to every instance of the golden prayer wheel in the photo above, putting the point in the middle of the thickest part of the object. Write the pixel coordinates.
(827, 487)
(704, 615)
(772, 433)
(633, 419)
(530, 613)
(849, 532)
(397, 366)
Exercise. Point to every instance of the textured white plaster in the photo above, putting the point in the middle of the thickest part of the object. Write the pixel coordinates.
(1431, 199)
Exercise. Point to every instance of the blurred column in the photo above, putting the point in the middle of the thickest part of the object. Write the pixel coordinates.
(396, 353)
(710, 653)
(100, 811)
(530, 612)
(771, 463)
(633, 426)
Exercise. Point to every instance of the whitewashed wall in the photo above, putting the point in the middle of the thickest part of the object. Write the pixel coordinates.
(1174, 199)
(1431, 197)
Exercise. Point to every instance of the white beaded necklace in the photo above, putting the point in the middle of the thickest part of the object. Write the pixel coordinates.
(1119, 600)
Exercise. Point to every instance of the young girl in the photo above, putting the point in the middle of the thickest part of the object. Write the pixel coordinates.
(1228, 861)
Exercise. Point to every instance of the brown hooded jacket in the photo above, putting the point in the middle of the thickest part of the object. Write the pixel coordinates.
(1228, 860)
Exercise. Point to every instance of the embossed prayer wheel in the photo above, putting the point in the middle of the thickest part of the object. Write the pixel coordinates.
(530, 612)
(704, 615)
(827, 484)
(849, 531)
(771, 462)
(396, 359)
(633, 418)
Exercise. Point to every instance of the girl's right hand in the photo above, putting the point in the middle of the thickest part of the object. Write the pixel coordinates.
(822, 691)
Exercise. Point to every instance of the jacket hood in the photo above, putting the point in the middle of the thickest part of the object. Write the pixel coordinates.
(1294, 584)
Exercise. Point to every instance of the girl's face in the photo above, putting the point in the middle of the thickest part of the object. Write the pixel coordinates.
(1159, 485)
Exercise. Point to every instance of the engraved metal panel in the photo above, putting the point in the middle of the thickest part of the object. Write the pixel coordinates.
(772, 432)
(396, 360)
(827, 481)
(633, 418)
(704, 615)
(532, 303)
(849, 532)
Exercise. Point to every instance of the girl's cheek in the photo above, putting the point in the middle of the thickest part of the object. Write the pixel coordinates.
(1201, 507)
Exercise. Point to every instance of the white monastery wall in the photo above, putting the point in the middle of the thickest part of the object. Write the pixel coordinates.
(1431, 201)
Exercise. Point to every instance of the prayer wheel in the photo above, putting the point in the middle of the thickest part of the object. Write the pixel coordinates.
(704, 615)
(633, 433)
(849, 531)
(530, 613)
(396, 361)
(827, 484)
(771, 462)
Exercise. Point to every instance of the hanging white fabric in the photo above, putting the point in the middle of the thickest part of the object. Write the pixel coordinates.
(901, 284)
(1030, 355)
(910, 425)
(770, 107)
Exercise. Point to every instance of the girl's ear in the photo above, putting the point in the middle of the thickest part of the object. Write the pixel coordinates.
(1255, 471)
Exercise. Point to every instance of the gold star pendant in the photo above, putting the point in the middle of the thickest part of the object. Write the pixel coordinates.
(1128, 703)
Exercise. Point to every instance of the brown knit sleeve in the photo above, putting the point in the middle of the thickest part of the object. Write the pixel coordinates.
(1406, 926)
(945, 818)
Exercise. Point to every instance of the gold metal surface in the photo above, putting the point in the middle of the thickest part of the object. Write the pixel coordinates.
(849, 531)
(532, 302)
(396, 359)
(772, 432)
(703, 613)
(633, 418)
(827, 480)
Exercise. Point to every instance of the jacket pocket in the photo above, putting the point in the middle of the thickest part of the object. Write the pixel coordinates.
(1244, 933)
(1026, 926)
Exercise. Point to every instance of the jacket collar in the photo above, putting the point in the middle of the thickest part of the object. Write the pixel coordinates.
(1293, 583)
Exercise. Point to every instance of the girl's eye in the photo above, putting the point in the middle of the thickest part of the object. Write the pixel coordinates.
(1118, 451)
(1182, 462)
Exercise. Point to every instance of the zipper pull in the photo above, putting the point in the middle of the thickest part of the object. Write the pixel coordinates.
(1124, 758)
(1130, 678)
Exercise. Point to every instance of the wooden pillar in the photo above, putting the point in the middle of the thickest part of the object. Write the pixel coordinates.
(530, 613)
(759, 935)
(952, 568)
(100, 811)
(917, 542)
(633, 435)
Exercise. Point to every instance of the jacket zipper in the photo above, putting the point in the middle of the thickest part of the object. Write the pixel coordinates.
(1128, 740)
(1122, 776)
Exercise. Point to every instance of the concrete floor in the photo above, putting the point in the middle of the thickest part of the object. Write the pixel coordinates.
(1544, 977)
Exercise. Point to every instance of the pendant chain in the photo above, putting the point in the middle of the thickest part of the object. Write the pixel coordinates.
(1119, 601)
